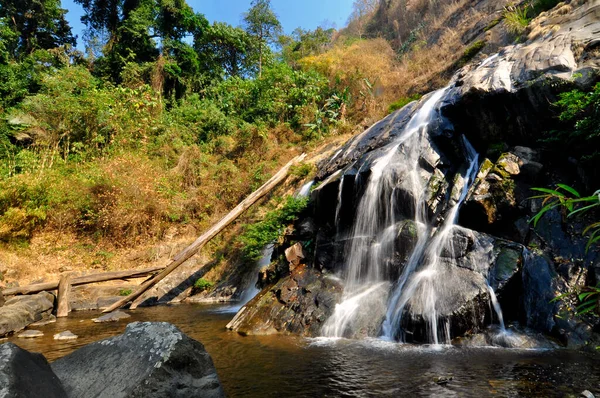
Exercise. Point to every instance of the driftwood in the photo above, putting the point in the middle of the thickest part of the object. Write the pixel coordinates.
(64, 290)
(83, 280)
(208, 235)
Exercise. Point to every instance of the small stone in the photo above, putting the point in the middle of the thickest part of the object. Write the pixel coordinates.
(112, 317)
(30, 334)
(66, 335)
(443, 380)
(587, 394)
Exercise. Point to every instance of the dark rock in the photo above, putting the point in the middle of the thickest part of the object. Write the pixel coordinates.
(507, 99)
(540, 282)
(461, 304)
(378, 135)
(21, 311)
(148, 360)
(25, 374)
(299, 304)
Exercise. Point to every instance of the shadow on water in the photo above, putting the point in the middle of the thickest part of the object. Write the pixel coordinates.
(276, 366)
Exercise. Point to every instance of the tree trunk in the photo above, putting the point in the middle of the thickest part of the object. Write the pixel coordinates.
(211, 233)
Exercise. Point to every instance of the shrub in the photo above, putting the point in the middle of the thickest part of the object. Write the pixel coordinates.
(256, 236)
(202, 284)
(517, 19)
(580, 111)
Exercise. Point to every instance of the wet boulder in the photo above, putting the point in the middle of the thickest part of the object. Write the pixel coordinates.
(150, 359)
(297, 304)
(540, 284)
(452, 298)
(25, 374)
(21, 311)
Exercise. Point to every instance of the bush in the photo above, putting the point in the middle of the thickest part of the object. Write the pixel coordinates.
(202, 284)
(256, 236)
(517, 19)
(580, 111)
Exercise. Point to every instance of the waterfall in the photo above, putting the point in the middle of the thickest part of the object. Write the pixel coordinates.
(251, 290)
(372, 236)
(422, 287)
(497, 308)
(305, 190)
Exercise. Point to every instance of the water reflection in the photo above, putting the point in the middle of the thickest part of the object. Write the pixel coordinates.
(283, 366)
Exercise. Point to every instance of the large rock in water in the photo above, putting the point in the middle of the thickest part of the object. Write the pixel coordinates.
(297, 304)
(24, 374)
(148, 360)
(21, 311)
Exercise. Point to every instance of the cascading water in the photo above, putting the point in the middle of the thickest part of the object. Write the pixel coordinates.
(422, 286)
(398, 179)
(372, 236)
(497, 308)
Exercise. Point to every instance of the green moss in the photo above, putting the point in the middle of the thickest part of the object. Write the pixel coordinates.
(402, 102)
(125, 292)
(492, 24)
(470, 52)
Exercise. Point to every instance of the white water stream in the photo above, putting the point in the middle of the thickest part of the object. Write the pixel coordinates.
(373, 236)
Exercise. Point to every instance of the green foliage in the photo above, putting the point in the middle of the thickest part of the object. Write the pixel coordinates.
(402, 102)
(568, 198)
(303, 43)
(125, 292)
(38, 24)
(269, 229)
(588, 299)
(516, 18)
(302, 170)
(580, 111)
(470, 52)
(202, 284)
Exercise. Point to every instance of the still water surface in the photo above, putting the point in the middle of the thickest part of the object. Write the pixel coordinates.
(281, 366)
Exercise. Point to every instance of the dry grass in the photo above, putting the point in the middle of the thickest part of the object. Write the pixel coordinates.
(422, 69)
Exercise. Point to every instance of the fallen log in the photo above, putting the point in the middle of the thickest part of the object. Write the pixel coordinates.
(83, 280)
(208, 235)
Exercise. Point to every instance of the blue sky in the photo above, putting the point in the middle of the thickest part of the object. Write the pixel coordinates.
(307, 14)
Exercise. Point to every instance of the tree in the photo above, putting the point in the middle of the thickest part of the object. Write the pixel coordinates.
(226, 50)
(262, 23)
(146, 32)
(361, 10)
(38, 24)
